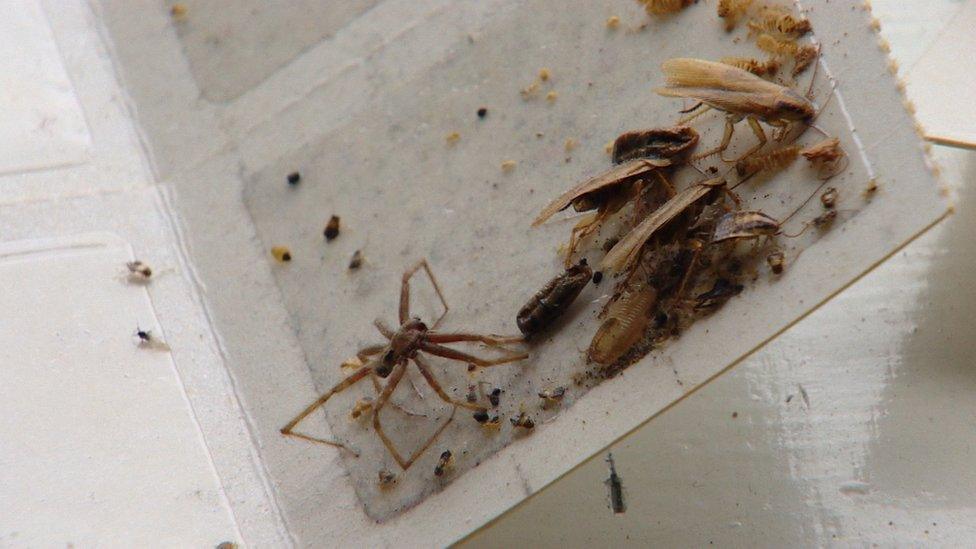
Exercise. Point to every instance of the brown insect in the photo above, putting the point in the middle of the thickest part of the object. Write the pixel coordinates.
(331, 228)
(551, 397)
(770, 162)
(827, 156)
(628, 249)
(738, 93)
(732, 10)
(744, 224)
(829, 198)
(672, 143)
(776, 261)
(607, 193)
(750, 64)
(663, 7)
(390, 361)
(778, 20)
(445, 462)
(138, 271)
(523, 421)
(626, 320)
(553, 299)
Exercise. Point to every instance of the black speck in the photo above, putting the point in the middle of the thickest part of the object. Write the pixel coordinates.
(294, 178)
(481, 416)
(482, 112)
(495, 397)
(597, 277)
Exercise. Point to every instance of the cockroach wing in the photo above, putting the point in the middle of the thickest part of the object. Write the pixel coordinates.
(759, 104)
(626, 251)
(621, 173)
(744, 224)
(697, 73)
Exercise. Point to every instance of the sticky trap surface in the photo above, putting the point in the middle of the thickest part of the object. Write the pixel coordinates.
(96, 425)
(227, 44)
(405, 191)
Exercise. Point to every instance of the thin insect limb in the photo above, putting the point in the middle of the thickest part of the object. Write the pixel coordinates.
(394, 379)
(369, 351)
(688, 271)
(760, 134)
(383, 328)
(686, 119)
(692, 108)
(405, 292)
(453, 354)
(454, 337)
(726, 139)
(581, 230)
(430, 441)
(341, 386)
(432, 381)
(379, 389)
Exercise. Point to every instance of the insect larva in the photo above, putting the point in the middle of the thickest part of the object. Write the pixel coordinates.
(770, 44)
(627, 319)
(753, 65)
(779, 21)
(732, 10)
(553, 299)
(662, 7)
(673, 143)
(772, 161)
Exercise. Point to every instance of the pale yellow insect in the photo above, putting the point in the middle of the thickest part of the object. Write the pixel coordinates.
(626, 321)
(663, 7)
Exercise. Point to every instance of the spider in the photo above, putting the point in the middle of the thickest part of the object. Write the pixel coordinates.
(390, 360)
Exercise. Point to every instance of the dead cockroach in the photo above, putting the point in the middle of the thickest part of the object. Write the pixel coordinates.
(739, 93)
(779, 21)
(731, 11)
(523, 421)
(663, 7)
(744, 224)
(628, 249)
(776, 261)
(750, 64)
(606, 193)
(331, 228)
(672, 143)
(445, 462)
(770, 162)
(829, 198)
(721, 291)
(389, 361)
(552, 396)
(626, 320)
(827, 156)
(356, 261)
(386, 478)
(553, 299)
(138, 271)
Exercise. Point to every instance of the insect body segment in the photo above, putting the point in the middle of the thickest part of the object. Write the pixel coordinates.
(744, 224)
(553, 299)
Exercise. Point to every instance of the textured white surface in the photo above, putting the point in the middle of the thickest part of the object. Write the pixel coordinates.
(43, 126)
(99, 445)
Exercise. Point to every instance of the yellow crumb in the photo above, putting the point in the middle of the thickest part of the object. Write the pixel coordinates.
(281, 253)
(508, 165)
(178, 11)
(570, 144)
(544, 74)
(453, 138)
(608, 148)
(551, 96)
(613, 22)
(353, 362)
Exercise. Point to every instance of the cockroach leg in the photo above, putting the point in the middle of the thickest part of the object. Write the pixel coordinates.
(341, 386)
(702, 109)
(760, 134)
(405, 292)
(432, 381)
(447, 352)
(726, 139)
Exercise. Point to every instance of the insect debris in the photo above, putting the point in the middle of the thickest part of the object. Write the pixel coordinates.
(495, 396)
(738, 93)
(389, 361)
(551, 397)
(553, 299)
(523, 421)
(445, 462)
(138, 271)
(731, 11)
(776, 261)
(331, 228)
(281, 254)
(616, 488)
(356, 261)
(146, 340)
(386, 478)
(664, 7)
(829, 198)
(750, 64)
